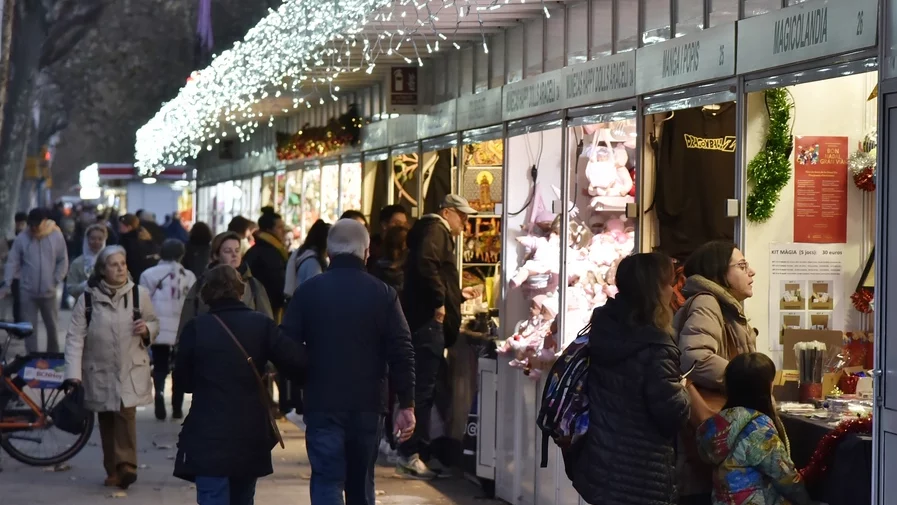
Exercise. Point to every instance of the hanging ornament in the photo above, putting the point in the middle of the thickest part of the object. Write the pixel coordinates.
(863, 301)
(862, 163)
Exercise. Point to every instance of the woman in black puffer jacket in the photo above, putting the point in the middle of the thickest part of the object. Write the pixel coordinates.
(636, 401)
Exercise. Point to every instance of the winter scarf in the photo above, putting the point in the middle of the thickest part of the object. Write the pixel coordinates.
(274, 241)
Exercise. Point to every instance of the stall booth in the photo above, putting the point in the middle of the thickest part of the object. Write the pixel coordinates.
(117, 186)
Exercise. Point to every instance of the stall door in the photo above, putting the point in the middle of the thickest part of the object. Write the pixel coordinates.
(885, 452)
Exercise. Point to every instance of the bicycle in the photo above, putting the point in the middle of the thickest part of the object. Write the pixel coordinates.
(30, 386)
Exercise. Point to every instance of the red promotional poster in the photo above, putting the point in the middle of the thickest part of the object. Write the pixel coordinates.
(820, 190)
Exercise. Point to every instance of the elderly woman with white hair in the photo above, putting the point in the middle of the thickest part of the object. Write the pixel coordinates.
(113, 325)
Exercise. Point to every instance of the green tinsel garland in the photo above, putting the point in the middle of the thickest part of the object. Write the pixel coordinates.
(770, 170)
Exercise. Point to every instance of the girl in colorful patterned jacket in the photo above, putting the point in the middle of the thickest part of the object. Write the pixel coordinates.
(746, 442)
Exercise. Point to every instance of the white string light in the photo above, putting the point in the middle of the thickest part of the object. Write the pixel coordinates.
(302, 45)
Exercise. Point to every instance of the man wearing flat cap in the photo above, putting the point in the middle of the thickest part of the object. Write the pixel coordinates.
(432, 304)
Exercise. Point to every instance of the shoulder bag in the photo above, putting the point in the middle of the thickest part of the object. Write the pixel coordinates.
(264, 396)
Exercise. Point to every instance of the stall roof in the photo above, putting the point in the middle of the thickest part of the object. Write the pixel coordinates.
(308, 51)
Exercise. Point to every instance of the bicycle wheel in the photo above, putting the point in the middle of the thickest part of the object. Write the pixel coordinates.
(35, 447)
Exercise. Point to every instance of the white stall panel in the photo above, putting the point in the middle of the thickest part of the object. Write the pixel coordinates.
(515, 51)
(554, 39)
(467, 70)
(602, 28)
(535, 33)
(497, 70)
(577, 31)
(453, 74)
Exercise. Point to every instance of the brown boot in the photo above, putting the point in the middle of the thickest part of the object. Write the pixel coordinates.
(127, 475)
(111, 481)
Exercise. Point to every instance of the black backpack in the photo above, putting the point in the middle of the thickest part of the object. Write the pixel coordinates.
(564, 414)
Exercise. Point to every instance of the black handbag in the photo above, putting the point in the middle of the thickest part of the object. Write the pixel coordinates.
(70, 415)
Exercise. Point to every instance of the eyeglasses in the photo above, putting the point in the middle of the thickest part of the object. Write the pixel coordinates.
(743, 265)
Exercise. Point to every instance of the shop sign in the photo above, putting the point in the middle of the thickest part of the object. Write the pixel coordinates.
(403, 86)
(805, 32)
(703, 56)
(536, 95)
(375, 135)
(439, 120)
(479, 110)
(402, 129)
(602, 80)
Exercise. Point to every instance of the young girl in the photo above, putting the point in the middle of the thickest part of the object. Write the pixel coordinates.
(746, 443)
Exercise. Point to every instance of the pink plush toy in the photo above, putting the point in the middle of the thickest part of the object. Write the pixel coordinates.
(544, 257)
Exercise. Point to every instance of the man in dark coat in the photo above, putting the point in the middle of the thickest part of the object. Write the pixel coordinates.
(142, 252)
(268, 259)
(432, 302)
(356, 338)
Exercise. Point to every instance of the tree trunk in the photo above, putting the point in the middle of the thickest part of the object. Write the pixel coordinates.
(27, 33)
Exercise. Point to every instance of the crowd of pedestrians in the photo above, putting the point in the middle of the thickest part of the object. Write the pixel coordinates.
(352, 329)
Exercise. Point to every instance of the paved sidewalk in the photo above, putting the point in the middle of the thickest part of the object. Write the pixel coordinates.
(81, 482)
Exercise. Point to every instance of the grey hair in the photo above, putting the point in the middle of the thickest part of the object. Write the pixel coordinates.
(100, 265)
(348, 236)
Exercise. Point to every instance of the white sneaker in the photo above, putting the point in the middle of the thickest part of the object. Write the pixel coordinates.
(296, 419)
(414, 468)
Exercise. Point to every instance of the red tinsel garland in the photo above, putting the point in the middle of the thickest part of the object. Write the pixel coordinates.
(862, 300)
(825, 450)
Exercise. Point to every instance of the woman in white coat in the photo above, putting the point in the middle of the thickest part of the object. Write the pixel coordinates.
(82, 266)
(168, 284)
(113, 325)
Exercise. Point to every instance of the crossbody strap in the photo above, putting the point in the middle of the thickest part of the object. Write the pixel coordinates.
(263, 390)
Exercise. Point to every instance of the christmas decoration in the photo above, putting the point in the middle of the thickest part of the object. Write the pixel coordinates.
(822, 457)
(770, 170)
(297, 54)
(863, 300)
(321, 141)
(862, 163)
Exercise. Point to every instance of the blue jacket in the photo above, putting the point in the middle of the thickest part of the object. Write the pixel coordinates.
(353, 328)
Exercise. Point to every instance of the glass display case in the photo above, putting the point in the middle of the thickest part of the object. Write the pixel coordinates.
(254, 205)
(440, 167)
(406, 170)
(311, 196)
(330, 193)
(269, 190)
(532, 246)
(480, 181)
(351, 187)
(292, 207)
(602, 163)
(378, 185)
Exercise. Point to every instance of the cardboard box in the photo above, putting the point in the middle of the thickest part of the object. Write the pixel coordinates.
(821, 297)
(832, 339)
(795, 289)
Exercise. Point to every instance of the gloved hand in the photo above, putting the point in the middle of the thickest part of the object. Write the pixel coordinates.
(70, 385)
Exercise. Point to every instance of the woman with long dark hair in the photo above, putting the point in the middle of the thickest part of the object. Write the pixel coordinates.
(637, 403)
(199, 249)
(310, 259)
(746, 442)
(390, 267)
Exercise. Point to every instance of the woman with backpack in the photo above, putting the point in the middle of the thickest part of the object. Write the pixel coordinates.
(310, 259)
(712, 329)
(113, 325)
(168, 284)
(637, 402)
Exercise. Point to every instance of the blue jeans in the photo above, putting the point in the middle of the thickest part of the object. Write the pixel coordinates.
(342, 448)
(225, 491)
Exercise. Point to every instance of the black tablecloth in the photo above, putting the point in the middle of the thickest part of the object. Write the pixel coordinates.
(849, 479)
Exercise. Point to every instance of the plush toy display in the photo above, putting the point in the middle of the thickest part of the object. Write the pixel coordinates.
(540, 270)
(607, 170)
(532, 345)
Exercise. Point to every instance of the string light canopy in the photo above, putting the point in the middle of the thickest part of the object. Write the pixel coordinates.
(294, 57)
